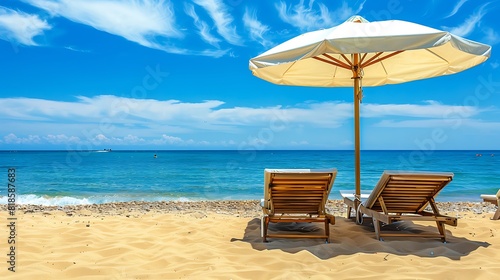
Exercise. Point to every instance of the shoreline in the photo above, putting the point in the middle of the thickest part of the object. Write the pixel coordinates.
(244, 208)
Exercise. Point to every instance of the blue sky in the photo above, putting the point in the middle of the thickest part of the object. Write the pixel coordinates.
(92, 74)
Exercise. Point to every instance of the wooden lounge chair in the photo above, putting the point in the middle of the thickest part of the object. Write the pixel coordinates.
(495, 199)
(402, 195)
(296, 195)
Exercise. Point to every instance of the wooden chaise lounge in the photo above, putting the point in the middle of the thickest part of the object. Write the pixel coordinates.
(494, 199)
(297, 195)
(403, 195)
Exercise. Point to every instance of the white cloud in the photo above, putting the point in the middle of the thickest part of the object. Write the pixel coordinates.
(76, 49)
(13, 139)
(101, 138)
(469, 24)
(21, 28)
(256, 142)
(431, 109)
(112, 120)
(150, 23)
(449, 124)
(61, 139)
(167, 139)
(222, 18)
(256, 28)
(309, 17)
(329, 114)
(82, 143)
(99, 108)
(92, 143)
(491, 36)
(456, 8)
(132, 139)
(203, 28)
(345, 11)
(121, 111)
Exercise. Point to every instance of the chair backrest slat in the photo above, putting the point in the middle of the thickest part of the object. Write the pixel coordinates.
(407, 192)
(298, 191)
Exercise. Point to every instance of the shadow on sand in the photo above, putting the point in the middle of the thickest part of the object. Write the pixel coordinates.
(348, 238)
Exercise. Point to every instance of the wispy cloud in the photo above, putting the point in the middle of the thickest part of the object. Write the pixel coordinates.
(310, 17)
(256, 28)
(491, 36)
(147, 112)
(456, 8)
(430, 115)
(203, 28)
(76, 49)
(430, 110)
(21, 28)
(150, 23)
(222, 18)
(470, 23)
(440, 123)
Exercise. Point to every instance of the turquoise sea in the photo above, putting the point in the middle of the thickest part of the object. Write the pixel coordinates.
(76, 177)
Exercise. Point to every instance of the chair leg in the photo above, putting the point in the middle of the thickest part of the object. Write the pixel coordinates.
(497, 214)
(376, 225)
(264, 225)
(349, 208)
(442, 231)
(327, 230)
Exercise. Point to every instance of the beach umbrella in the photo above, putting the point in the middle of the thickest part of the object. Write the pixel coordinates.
(359, 53)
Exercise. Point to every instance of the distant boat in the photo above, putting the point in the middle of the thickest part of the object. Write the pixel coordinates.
(104, 151)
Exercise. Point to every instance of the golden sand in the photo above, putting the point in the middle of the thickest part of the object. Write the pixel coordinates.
(221, 240)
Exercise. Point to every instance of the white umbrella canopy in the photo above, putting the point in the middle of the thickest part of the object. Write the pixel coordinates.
(323, 58)
(376, 53)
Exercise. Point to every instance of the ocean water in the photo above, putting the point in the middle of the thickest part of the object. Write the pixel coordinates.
(76, 177)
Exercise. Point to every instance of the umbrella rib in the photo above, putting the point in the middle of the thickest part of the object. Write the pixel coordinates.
(372, 61)
(437, 55)
(346, 59)
(334, 61)
(326, 61)
(363, 58)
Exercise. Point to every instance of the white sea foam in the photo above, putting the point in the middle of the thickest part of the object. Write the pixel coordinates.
(68, 200)
(48, 201)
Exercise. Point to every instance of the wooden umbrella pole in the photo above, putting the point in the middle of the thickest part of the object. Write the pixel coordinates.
(357, 101)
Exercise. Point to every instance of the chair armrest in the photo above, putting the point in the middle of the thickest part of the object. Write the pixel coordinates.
(491, 198)
(265, 208)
